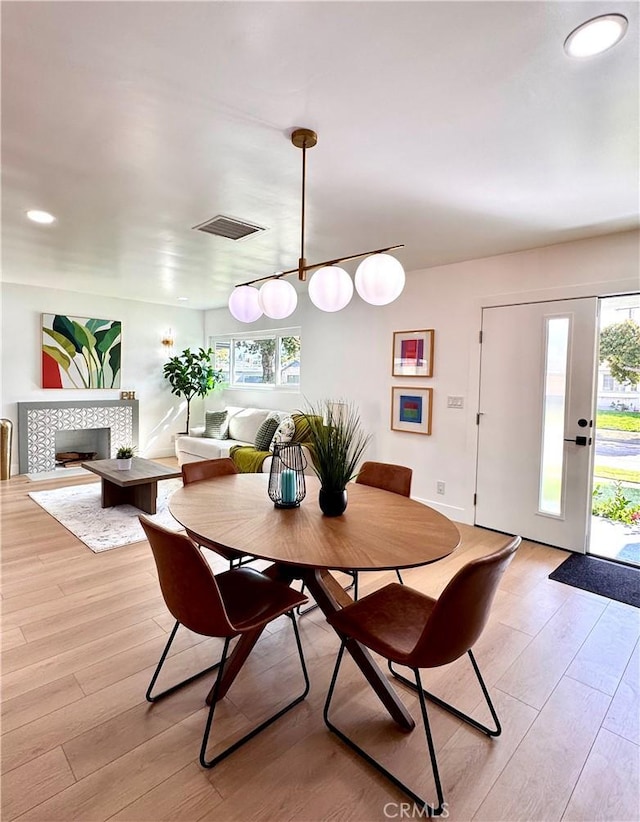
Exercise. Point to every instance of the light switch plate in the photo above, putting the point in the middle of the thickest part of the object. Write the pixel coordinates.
(455, 402)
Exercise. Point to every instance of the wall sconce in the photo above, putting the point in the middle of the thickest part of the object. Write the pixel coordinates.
(167, 339)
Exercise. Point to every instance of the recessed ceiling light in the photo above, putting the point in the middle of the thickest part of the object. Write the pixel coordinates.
(183, 299)
(40, 216)
(596, 36)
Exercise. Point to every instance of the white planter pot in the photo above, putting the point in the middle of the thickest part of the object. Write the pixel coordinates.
(124, 465)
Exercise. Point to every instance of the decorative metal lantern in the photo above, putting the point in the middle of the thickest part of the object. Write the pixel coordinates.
(286, 478)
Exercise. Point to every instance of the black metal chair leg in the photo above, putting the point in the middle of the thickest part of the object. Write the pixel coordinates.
(210, 763)
(173, 688)
(432, 751)
(313, 606)
(237, 562)
(427, 810)
(400, 580)
(452, 710)
(306, 610)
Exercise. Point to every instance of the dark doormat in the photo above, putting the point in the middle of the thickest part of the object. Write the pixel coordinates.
(609, 579)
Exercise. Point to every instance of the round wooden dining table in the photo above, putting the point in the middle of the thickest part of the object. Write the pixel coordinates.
(378, 531)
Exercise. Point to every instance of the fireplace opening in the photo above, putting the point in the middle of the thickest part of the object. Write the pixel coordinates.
(82, 445)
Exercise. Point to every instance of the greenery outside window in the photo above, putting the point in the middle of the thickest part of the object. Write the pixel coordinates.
(265, 359)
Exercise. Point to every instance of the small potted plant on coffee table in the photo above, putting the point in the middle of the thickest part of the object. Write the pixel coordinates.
(124, 457)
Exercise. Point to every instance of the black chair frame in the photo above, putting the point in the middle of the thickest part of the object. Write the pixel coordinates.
(220, 665)
(352, 585)
(423, 695)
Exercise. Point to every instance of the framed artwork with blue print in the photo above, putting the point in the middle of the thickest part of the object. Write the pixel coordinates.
(411, 409)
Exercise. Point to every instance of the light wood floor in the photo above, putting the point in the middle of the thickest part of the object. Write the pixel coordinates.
(82, 633)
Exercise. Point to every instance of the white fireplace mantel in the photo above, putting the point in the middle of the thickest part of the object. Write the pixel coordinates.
(39, 421)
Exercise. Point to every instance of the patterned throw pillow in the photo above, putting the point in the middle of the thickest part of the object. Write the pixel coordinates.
(303, 432)
(265, 433)
(216, 425)
(284, 432)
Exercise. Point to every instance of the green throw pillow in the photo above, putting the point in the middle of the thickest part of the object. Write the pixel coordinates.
(216, 425)
(302, 432)
(265, 433)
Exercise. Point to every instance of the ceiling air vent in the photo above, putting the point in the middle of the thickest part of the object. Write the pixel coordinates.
(229, 227)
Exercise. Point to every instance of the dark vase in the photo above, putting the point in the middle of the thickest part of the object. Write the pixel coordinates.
(332, 503)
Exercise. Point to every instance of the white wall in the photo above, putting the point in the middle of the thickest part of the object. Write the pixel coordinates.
(348, 354)
(345, 355)
(143, 324)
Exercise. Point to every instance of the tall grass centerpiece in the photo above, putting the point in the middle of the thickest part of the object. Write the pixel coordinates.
(337, 444)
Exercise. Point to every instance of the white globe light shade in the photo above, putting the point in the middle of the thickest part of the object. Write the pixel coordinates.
(379, 279)
(277, 299)
(243, 304)
(330, 288)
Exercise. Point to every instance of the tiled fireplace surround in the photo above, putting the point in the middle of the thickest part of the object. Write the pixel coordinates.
(39, 421)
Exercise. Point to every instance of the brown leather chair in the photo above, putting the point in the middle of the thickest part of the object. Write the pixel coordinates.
(388, 477)
(226, 605)
(209, 469)
(414, 630)
(385, 475)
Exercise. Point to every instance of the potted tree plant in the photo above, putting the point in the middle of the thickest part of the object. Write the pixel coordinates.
(191, 374)
(337, 443)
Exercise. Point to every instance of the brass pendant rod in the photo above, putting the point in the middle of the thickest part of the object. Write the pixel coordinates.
(305, 138)
(304, 178)
(306, 268)
(352, 257)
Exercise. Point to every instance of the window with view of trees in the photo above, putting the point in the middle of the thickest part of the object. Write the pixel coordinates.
(268, 359)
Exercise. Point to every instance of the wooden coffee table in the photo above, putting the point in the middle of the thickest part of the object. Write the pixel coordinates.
(137, 486)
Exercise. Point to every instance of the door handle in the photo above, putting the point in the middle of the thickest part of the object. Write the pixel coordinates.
(579, 440)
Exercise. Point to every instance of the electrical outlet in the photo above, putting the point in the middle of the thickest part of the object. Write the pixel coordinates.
(455, 402)
(440, 487)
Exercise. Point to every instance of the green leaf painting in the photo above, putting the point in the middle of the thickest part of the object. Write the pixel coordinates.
(78, 352)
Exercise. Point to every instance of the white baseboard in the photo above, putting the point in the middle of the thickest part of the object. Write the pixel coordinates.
(454, 512)
(161, 452)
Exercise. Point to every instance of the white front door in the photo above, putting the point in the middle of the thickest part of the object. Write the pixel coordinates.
(537, 383)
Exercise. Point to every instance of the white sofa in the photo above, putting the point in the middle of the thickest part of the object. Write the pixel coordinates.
(243, 425)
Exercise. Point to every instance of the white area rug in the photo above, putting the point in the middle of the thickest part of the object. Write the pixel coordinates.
(77, 507)
(57, 473)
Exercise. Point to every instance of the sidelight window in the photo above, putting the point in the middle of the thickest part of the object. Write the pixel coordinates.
(554, 406)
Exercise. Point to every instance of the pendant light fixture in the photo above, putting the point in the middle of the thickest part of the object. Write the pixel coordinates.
(330, 288)
(277, 299)
(244, 304)
(379, 278)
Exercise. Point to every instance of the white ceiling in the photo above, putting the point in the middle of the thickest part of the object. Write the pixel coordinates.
(460, 129)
